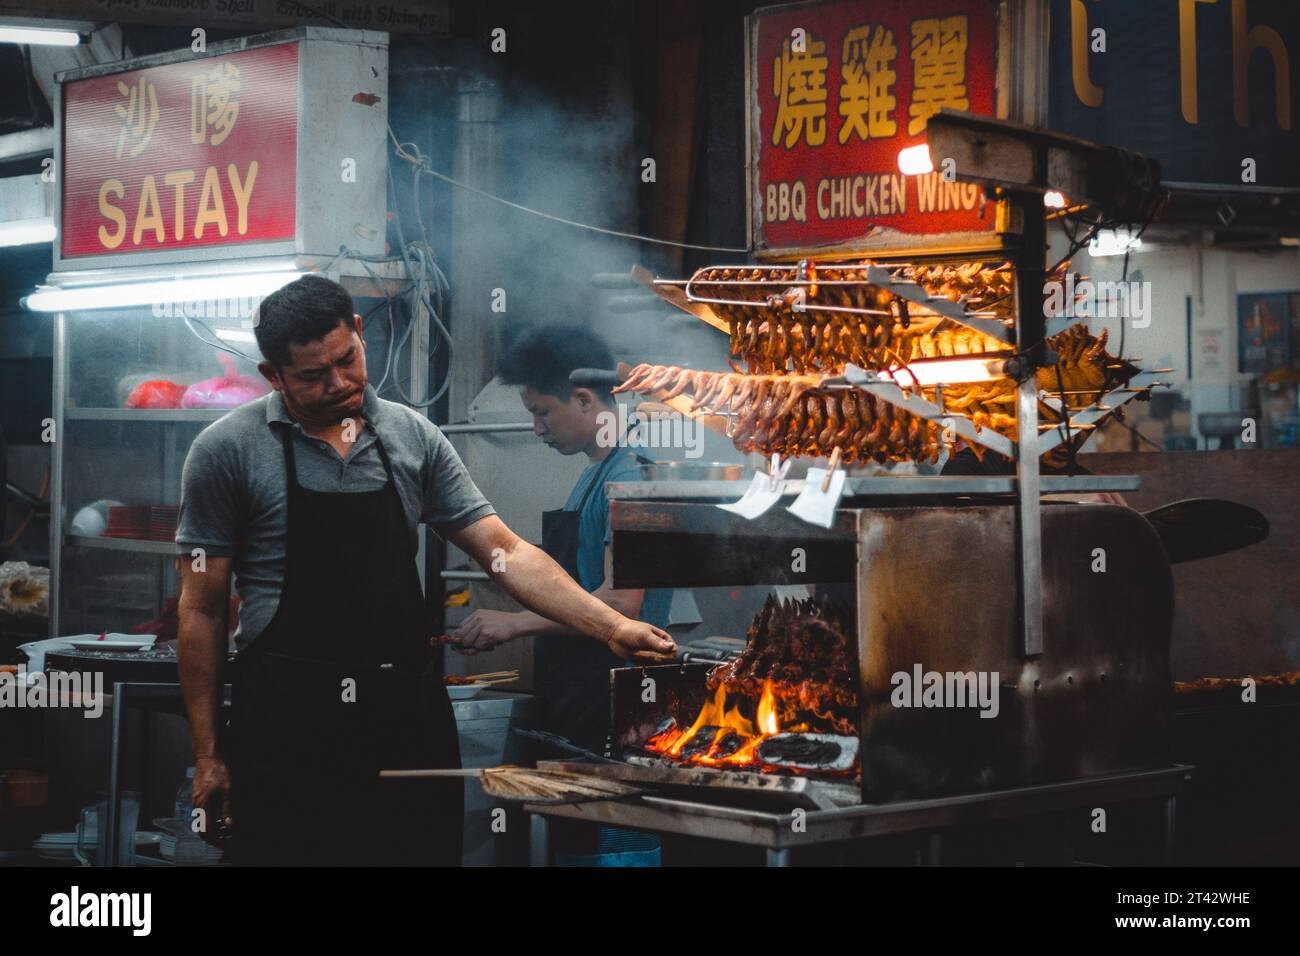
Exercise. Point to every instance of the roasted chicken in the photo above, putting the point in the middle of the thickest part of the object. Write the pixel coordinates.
(793, 414)
(810, 655)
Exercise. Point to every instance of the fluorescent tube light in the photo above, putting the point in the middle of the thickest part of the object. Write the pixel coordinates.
(27, 232)
(1112, 242)
(949, 371)
(158, 292)
(39, 36)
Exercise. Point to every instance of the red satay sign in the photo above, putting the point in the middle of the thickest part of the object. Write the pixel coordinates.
(200, 152)
(837, 90)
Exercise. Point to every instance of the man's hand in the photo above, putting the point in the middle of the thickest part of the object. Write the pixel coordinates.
(639, 641)
(212, 793)
(484, 630)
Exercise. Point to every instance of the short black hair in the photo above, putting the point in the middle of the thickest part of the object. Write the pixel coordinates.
(542, 358)
(303, 311)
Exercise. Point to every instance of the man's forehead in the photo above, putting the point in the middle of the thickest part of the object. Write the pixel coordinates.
(535, 399)
(324, 351)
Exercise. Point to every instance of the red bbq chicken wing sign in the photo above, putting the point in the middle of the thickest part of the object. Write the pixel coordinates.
(200, 152)
(836, 91)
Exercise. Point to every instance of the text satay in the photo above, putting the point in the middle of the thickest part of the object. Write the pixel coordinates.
(138, 218)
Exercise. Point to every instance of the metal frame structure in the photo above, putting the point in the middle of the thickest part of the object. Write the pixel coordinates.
(778, 836)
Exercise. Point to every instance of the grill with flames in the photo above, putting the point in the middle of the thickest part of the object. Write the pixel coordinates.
(787, 704)
(863, 362)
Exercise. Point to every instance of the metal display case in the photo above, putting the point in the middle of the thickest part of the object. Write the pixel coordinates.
(192, 183)
(107, 452)
(104, 451)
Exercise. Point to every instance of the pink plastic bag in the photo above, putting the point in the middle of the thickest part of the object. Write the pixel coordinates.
(226, 391)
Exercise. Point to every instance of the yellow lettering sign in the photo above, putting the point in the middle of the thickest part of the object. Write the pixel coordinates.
(148, 213)
(212, 208)
(938, 68)
(867, 83)
(243, 192)
(111, 240)
(799, 84)
(178, 180)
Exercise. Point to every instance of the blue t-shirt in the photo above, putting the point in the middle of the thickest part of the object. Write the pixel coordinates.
(593, 531)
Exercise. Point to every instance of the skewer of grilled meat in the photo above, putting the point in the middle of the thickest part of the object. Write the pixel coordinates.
(792, 415)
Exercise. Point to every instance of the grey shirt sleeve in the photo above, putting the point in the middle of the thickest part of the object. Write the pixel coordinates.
(451, 499)
(212, 503)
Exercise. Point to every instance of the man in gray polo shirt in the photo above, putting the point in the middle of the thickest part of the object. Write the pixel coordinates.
(310, 498)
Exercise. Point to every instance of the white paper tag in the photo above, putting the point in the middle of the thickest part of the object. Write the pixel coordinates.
(790, 592)
(814, 505)
(758, 497)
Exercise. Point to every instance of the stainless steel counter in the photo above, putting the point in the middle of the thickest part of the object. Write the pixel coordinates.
(780, 833)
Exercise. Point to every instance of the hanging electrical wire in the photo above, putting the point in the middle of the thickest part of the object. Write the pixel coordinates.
(421, 163)
(213, 339)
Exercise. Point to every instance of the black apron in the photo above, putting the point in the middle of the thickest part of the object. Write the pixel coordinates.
(343, 684)
(572, 670)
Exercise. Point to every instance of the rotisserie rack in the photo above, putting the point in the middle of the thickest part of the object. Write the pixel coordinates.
(882, 362)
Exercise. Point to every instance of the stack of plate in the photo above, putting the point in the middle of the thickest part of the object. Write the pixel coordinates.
(112, 642)
(63, 846)
(144, 522)
(128, 521)
(162, 522)
(167, 848)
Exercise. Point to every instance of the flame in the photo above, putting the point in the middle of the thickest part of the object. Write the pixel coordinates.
(768, 723)
(729, 720)
(780, 708)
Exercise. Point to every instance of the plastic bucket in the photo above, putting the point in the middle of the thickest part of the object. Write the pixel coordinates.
(615, 847)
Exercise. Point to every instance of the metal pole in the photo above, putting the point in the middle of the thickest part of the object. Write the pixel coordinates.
(1171, 827)
(934, 849)
(60, 400)
(1031, 332)
(470, 428)
(465, 575)
(778, 858)
(539, 841)
(114, 776)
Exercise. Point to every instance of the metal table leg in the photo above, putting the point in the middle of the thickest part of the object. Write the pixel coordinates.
(114, 777)
(1171, 828)
(934, 849)
(778, 857)
(539, 840)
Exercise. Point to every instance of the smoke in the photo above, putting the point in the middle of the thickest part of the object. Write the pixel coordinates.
(570, 150)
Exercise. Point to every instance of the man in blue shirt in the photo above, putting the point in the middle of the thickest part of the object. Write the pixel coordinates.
(572, 676)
